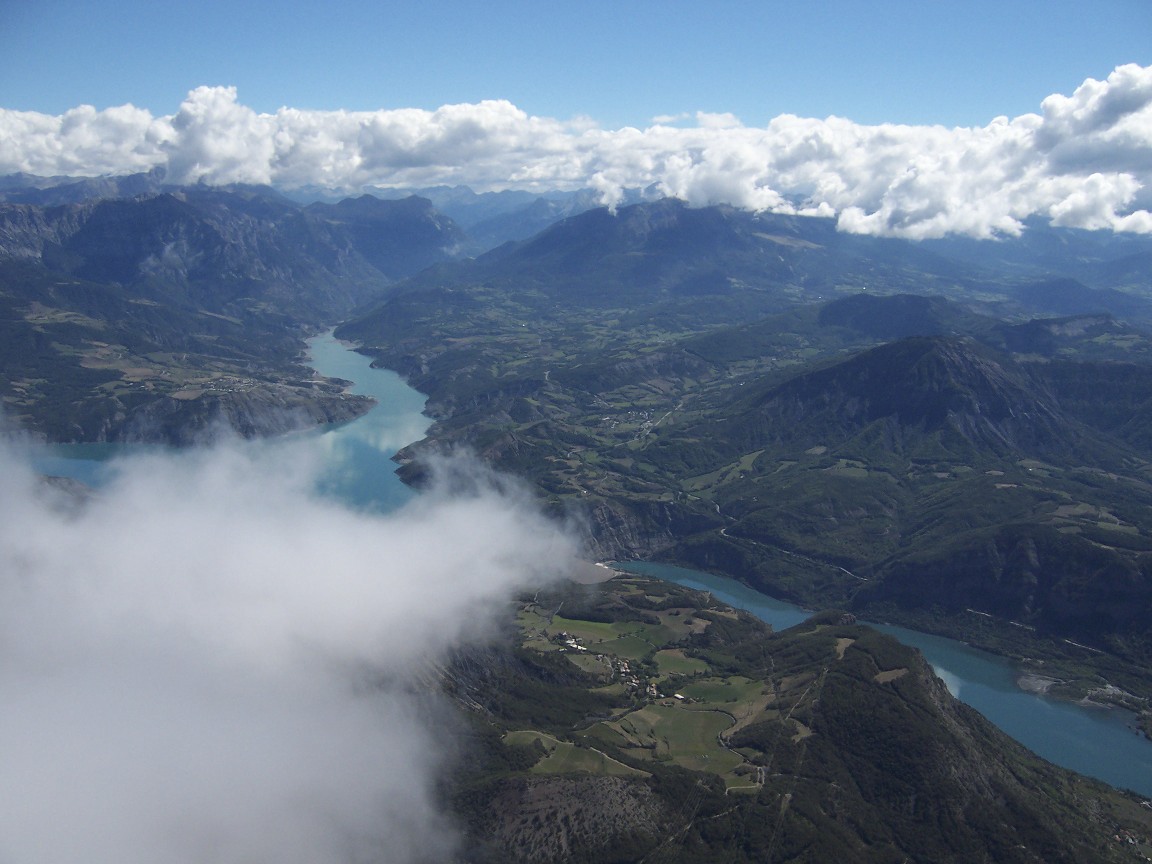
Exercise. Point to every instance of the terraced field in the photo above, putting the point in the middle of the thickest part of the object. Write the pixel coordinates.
(677, 711)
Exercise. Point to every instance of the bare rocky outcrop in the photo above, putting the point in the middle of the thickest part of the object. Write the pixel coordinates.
(541, 819)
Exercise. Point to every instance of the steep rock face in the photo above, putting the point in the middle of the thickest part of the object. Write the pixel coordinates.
(53, 191)
(25, 230)
(619, 529)
(212, 247)
(207, 249)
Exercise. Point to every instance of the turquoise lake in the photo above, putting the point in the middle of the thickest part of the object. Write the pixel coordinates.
(359, 453)
(1098, 742)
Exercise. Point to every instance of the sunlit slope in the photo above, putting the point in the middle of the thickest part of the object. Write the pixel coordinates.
(662, 726)
(942, 450)
(159, 316)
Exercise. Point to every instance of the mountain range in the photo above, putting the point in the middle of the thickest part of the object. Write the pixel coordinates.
(157, 316)
(750, 392)
(640, 721)
(833, 419)
(950, 434)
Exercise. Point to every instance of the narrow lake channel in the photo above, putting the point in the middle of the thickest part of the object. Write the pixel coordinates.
(1099, 742)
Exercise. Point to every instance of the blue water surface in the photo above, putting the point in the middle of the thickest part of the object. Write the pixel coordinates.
(1098, 742)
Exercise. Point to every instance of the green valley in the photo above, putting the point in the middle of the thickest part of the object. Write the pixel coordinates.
(723, 740)
(810, 431)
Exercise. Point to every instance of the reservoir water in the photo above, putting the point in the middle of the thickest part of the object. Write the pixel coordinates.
(359, 453)
(1098, 742)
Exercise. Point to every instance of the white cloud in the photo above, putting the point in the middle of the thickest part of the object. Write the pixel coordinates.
(668, 119)
(82, 141)
(217, 139)
(208, 662)
(1085, 160)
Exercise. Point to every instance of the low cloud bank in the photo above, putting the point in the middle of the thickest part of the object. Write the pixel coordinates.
(1084, 160)
(209, 662)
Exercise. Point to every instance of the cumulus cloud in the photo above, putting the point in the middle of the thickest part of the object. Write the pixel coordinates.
(1085, 160)
(209, 662)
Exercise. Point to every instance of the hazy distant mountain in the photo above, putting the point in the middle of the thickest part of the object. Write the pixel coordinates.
(470, 209)
(465, 206)
(1100, 259)
(898, 316)
(713, 265)
(50, 191)
(529, 220)
(398, 238)
(1070, 297)
(762, 263)
(494, 218)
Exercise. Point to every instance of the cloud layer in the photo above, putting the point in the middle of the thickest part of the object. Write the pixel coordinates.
(208, 662)
(1084, 161)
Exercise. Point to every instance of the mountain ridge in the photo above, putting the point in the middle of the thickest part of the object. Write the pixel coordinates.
(632, 403)
(165, 303)
(825, 742)
(937, 385)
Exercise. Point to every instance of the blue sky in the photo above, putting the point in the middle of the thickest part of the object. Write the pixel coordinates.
(620, 63)
(1003, 111)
